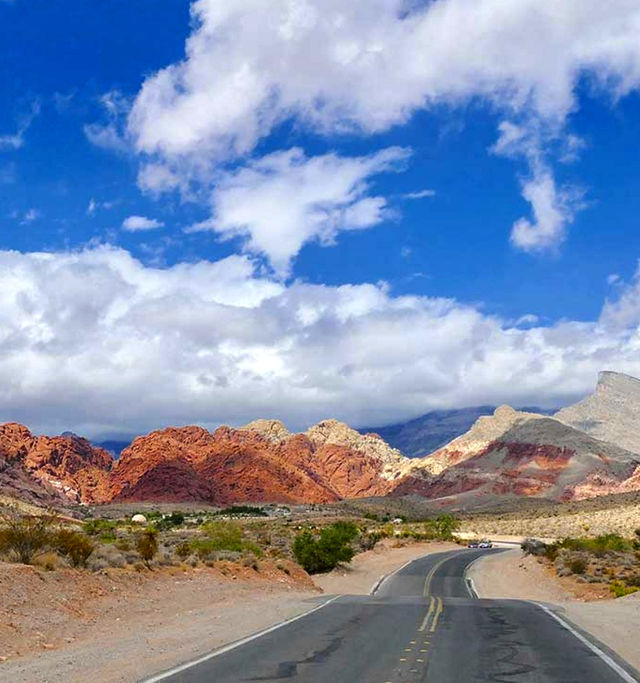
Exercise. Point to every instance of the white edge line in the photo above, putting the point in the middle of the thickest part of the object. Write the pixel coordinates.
(594, 648)
(384, 579)
(231, 646)
(469, 581)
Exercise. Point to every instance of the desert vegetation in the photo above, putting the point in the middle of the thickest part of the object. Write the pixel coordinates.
(608, 559)
(191, 538)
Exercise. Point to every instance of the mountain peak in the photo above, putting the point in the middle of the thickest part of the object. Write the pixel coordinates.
(273, 430)
(611, 413)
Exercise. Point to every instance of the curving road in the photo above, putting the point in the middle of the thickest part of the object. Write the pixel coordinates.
(422, 624)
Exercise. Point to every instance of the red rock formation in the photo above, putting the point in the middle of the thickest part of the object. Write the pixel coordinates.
(234, 465)
(67, 467)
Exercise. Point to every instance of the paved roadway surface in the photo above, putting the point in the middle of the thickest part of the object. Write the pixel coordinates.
(422, 624)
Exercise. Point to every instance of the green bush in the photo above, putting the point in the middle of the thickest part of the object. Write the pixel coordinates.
(243, 510)
(73, 545)
(23, 537)
(330, 548)
(95, 527)
(619, 589)
(441, 528)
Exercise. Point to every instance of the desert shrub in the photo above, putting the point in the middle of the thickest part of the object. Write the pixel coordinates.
(222, 536)
(49, 561)
(330, 548)
(123, 544)
(95, 527)
(600, 545)
(369, 540)
(147, 545)
(105, 556)
(619, 589)
(577, 565)
(74, 546)
(23, 537)
(183, 550)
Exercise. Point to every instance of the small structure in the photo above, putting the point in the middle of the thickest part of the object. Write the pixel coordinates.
(139, 519)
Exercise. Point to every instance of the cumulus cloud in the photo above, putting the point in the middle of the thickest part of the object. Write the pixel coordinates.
(96, 342)
(248, 67)
(286, 199)
(140, 223)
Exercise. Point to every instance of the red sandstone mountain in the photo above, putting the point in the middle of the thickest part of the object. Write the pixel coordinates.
(51, 470)
(252, 465)
(508, 454)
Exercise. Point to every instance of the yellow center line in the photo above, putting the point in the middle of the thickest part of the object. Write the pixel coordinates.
(436, 616)
(428, 615)
(427, 582)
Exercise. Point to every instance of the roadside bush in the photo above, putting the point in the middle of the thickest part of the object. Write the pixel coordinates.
(23, 537)
(147, 545)
(577, 565)
(74, 546)
(619, 589)
(330, 548)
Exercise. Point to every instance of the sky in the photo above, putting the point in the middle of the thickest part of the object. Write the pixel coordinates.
(214, 211)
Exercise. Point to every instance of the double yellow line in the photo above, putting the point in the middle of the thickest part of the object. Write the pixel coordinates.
(435, 603)
(435, 610)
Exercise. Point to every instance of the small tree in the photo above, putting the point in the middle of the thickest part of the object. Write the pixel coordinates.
(147, 545)
(23, 537)
(445, 525)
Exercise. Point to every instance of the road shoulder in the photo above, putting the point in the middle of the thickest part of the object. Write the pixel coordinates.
(616, 623)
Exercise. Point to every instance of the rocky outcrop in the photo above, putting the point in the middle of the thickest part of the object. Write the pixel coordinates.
(611, 413)
(58, 469)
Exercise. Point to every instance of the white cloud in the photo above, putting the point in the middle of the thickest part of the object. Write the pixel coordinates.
(16, 140)
(139, 223)
(248, 66)
(110, 135)
(30, 215)
(286, 199)
(420, 194)
(553, 210)
(96, 342)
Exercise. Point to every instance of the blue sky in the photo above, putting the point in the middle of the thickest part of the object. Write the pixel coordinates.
(270, 175)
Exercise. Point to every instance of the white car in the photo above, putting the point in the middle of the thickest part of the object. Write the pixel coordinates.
(485, 544)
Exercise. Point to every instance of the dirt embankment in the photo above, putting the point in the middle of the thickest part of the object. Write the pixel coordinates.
(616, 623)
(121, 625)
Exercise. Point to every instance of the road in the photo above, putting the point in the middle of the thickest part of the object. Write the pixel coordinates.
(422, 624)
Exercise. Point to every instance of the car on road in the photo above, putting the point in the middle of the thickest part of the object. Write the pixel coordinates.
(485, 544)
(472, 544)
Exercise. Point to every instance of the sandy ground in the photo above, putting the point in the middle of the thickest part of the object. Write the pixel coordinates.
(72, 626)
(616, 623)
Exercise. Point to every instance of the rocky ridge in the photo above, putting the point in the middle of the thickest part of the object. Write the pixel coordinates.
(611, 413)
(510, 453)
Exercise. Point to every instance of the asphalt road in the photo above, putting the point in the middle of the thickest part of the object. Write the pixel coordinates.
(422, 624)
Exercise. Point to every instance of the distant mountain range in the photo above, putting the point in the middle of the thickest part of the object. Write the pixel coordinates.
(583, 451)
(423, 435)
